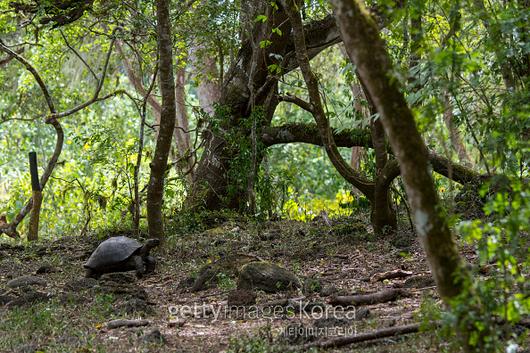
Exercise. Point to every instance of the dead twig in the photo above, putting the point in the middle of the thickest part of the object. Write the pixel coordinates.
(399, 273)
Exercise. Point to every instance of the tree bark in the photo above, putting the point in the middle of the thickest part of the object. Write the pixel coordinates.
(367, 51)
(155, 191)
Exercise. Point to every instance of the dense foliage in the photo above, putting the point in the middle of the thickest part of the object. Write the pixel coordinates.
(464, 66)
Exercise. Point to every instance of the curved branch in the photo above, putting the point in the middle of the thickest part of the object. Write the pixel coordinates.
(298, 101)
(308, 133)
(319, 35)
(35, 74)
(78, 55)
(95, 97)
(324, 128)
(10, 229)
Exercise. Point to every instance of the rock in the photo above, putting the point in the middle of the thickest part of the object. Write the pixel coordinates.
(419, 282)
(46, 269)
(331, 322)
(206, 278)
(241, 297)
(126, 323)
(29, 298)
(362, 313)
(228, 265)
(80, 284)
(25, 281)
(154, 336)
(268, 277)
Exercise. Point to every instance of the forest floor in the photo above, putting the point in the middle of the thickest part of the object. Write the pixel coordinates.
(64, 312)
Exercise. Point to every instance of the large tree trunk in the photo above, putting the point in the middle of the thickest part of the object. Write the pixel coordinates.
(367, 51)
(219, 181)
(155, 191)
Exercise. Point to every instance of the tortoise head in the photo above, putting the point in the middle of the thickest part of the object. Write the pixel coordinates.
(151, 243)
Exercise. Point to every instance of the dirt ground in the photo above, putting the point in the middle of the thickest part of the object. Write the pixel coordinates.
(64, 312)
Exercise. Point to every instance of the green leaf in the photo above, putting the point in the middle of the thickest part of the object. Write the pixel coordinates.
(277, 31)
(261, 18)
(264, 43)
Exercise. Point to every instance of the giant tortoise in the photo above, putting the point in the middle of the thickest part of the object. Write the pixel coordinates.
(119, 254)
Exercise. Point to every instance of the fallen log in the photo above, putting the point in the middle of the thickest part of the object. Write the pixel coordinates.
(386, 295)
(363, 337)
(391, 275)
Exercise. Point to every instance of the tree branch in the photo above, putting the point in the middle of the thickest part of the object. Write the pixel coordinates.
(35, 74)
(319, 35)
(95, 97)
(52, 119)
(324, 128)
(298, 101)
(308, 133)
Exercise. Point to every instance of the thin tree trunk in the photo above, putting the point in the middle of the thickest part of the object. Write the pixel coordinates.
(155, 190)
(182, 134)
(136, 81)
(454, 134)
(383, 215)
(367, 51)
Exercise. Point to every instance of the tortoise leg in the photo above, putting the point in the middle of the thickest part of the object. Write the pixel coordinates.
(139, 266)
(150, 264)
(90, 273)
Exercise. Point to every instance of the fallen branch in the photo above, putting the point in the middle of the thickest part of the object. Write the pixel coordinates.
(390, 275)
(126, 323)
(386, 295)
(363, 337)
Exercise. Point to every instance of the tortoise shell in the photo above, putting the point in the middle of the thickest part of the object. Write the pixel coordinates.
(113, 251)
